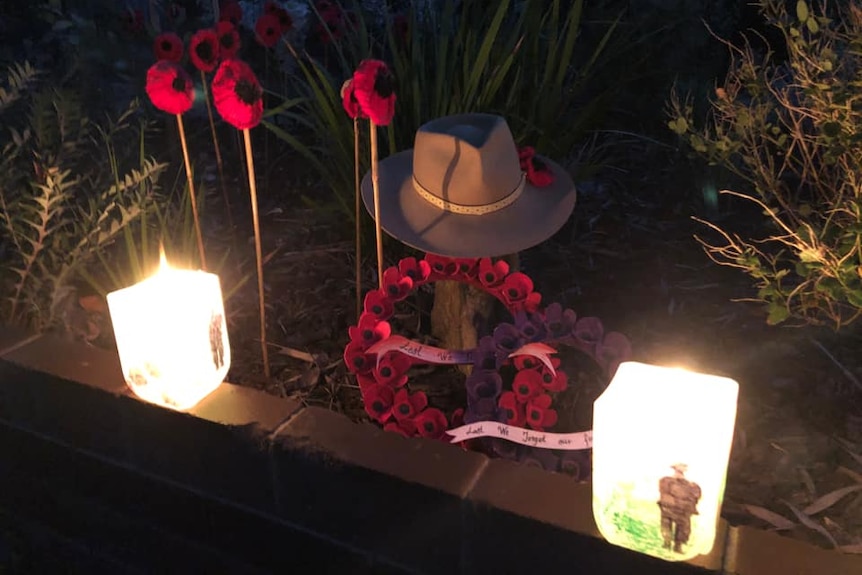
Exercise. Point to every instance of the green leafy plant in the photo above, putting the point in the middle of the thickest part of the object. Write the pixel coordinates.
(59, 202)
(789, 130)
(520, 60)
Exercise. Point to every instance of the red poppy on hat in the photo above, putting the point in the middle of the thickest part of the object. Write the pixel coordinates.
(203, 50)
(349, 101)
(442, 265)
(537, 171)
(431, 423)
(374, 86)
(417, 270)
(228, 39)
(539, 412)
(237, 94)
(408, 405)
(168, 46)
(268, 30)
(231, 12)
(169, 87)
(377, 304)
(513, 411)
(396, 286)
(378, 401)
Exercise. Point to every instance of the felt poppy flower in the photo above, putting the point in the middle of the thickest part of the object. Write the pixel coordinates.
(527, 385)
(483, 384)
(230, 11)
(417, 270)
(392, 368)
(379, 400)
(369, 330)
(539, 413)
(407, 405)
(237, 94)
(559, 321)
(557, 381)
(377, 304)
(228, 39)
(531, 326)
(349, 101)
(285, 21)
(487, 356)
(431, 423)
(132, 21)
(405, 427)
(356, 360)
(491, 274)
(374, 87)
(203, 50)
(614, 349)
(588, 332)
(267, 30)
(442, 265)
(507, 338)
(396, 286)
(169, 87)
(512, 410)
(538, 173)
(516, 288)
(467, 267)
(168, 46)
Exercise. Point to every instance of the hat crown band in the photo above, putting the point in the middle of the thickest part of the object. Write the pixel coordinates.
(467, 164)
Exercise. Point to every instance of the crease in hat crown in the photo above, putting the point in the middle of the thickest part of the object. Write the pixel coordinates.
(467, 164)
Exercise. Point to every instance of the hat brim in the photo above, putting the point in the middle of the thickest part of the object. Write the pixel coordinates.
(536, 215)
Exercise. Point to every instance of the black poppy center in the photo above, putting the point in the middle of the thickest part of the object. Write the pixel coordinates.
(412, 274)
(524, 389)
(226, 41)
(465, 268)
(429, 427)
(535, 415)
(539, 165)
(247, 92)
(386, 371)
(512, 292)
(378, 406)
(367, 334)
(377, 309)
(510, 413)
(489, 277)
(205, 51)
(438, 267)
(404, 409)
(166, 45)
(547, 378)
(384, 84)
(393, 290)
(528, 362)
(359, 361)
(179, 84)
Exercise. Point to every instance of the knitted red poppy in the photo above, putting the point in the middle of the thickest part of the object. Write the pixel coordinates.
(228, 39)
(230, 11)
(237, 94)
(168, 46)
(204, 50)
(538, 173)
(374, 89)
(267, 30)
(348, 100)
(169, 87)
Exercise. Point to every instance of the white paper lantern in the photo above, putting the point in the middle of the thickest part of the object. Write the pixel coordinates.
(661, 445)
(172, 336)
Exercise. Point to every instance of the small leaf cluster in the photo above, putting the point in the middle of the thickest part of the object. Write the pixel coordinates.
(790, 130)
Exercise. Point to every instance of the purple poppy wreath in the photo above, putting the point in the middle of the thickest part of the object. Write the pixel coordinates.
(523, 399)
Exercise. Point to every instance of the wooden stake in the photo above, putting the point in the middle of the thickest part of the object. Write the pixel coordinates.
(376, 187)
(219, 163)
(257, 250)
(358, 233)
(192, 196)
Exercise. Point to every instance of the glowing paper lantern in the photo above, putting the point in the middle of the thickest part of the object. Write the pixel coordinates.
(172, 336)
(661, 445)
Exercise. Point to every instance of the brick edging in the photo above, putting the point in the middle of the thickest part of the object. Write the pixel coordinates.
(350, 492)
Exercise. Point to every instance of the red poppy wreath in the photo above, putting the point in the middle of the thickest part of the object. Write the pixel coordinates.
(514, 380)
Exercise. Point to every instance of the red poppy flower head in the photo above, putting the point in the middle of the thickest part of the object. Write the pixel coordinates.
(374, 86)
(204, 50)
(237, 94)
(539, 412)
(169, 87)
(377, 304)
(416, 270)
(407, 405)
(491, 274)
(516, 288)
(378, 401)
(168, 46)
(511, 409)
(442, 265)
(431, 423)
(369, 330)
(356, 360)
(267, 30)
(228, 39)
(392, 369)
(527, 385)
(349, 101)
(285, 21)
(396, 286)
(230, 11)
(537, 171)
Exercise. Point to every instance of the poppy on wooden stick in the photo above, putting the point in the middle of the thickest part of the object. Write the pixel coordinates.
(204, 50)
(228, 39)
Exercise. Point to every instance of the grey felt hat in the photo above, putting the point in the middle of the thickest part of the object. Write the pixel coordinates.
(460, 191)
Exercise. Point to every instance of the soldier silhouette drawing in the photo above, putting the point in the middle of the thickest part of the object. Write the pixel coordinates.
(678, 502)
